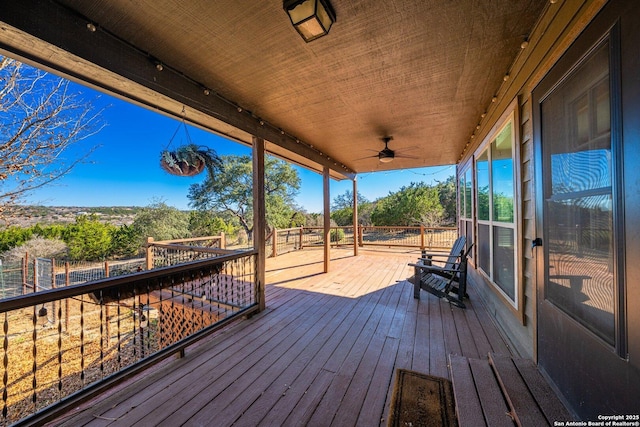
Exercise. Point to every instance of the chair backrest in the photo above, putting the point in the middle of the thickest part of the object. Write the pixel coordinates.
(457, 250)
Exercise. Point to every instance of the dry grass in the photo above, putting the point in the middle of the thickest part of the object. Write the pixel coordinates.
(48, 358)
(80, 342)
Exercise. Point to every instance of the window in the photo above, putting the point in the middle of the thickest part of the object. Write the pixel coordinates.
(579, 168)
(465, 191)
(495, 210)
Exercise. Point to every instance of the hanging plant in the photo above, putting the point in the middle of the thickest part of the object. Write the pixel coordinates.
(190, 160)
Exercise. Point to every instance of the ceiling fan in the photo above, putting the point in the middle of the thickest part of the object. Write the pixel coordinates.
(386, 155)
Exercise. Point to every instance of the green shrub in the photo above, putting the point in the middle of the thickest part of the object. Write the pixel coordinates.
(14, 236)
(88, 238)
(337, 235)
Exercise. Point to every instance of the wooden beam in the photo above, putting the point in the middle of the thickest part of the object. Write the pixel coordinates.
(60, 39)
(327, 219)
(259, 217)
(355, 217)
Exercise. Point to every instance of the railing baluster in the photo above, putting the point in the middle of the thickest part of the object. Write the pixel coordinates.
(186, 310)
(149, 323)
(225, 285)
(142, 319)
(34, 368)
(119, 329)
(102, 340)
(230, 277)
(60, 350)
(201, 286)
(172, 312)
(133, 318)
(107, 316)
(5, 366)
(161, 318)
(145, 317)
(214, 295)
(82, 373)
(66, 301)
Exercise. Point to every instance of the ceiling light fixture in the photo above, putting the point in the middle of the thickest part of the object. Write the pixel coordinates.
(311, 18)
(386, 155)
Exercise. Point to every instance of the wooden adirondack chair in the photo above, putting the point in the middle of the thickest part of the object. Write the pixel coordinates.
(446, 279)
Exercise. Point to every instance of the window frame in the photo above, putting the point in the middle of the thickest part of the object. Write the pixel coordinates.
(466, 222)
(515, 304)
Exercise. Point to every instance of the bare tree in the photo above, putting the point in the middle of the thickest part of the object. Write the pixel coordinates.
(40, 118)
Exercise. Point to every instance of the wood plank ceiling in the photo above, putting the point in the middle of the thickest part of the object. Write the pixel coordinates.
(421, 71)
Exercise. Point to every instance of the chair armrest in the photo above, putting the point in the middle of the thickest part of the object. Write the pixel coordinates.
(435, 268)
(437, 253)
(432, 258)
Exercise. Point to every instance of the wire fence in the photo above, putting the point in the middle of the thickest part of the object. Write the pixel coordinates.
(11, 279)
(32, 275)
(44, 273)
(282, 241)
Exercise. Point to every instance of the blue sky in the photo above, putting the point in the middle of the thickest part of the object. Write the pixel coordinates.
(123, 169)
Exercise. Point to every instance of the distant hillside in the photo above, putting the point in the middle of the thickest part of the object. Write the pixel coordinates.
(25, 216)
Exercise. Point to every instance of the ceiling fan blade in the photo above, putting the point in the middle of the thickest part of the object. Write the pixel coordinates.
(368, 157)
(413, 147)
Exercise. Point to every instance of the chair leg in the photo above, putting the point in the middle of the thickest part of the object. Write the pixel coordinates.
(416, 283)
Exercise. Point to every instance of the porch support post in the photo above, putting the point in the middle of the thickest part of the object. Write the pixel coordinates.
(355, 217)
(259, 216)
(327, 219)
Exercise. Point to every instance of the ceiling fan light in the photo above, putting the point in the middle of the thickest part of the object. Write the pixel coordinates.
(386, 159)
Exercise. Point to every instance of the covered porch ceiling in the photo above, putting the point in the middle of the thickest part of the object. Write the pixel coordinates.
(423, 72)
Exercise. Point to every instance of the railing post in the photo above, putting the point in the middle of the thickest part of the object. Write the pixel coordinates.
(326, 218)
(259, 217)
(355, 217)
(301, 237)
(274, 242)
(360, 232)
(149, 253)
(421, 237)
(223, 240)
(25, 272)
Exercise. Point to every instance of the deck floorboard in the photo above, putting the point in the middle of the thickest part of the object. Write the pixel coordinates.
(324, 352)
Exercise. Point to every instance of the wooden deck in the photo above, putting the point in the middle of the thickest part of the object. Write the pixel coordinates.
(323, 353)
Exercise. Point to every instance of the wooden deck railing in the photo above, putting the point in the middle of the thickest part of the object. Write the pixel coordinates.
(413, 237)
(67, 344)
(35, 274)
(163, 253)
(290, 239)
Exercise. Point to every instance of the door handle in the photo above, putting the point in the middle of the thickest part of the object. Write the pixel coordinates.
(536, 242)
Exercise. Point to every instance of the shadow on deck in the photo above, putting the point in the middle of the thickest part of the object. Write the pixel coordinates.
(324, 352)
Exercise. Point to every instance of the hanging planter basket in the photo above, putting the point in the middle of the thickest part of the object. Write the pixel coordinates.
(189, 159)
